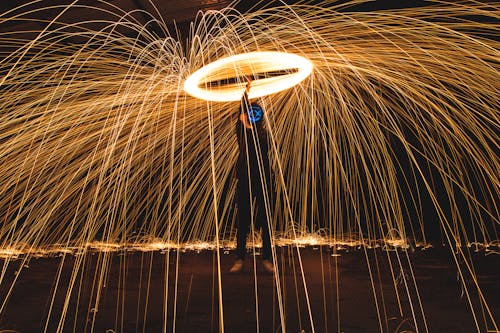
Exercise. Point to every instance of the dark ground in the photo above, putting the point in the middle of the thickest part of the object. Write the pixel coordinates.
(127, 306)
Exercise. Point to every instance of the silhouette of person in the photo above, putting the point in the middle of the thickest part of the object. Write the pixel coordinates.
(254, 180)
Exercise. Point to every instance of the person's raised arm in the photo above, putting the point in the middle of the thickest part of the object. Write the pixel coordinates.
(245, 101)
(245, 105)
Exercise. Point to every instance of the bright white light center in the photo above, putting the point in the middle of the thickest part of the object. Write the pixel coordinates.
(247, 64)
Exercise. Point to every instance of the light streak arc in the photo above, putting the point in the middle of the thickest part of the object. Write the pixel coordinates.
(247, 64)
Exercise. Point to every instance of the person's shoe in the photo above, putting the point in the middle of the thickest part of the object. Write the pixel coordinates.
(237, 267)
(268, 265)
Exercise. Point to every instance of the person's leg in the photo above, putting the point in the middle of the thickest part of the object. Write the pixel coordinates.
(243, 219)
(267, 255)
(263, 219)
(264, 222)
(243, 216)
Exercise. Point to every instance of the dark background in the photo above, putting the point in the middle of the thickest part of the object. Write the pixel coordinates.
(178, 16)
(172, 12)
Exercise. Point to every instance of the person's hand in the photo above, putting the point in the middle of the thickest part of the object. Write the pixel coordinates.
(244, 120)
(249, 84)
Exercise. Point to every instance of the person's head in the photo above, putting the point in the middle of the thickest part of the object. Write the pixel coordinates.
(254, 116)
(255, 113)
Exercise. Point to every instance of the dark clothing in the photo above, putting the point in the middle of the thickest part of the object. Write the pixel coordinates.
(254, 182)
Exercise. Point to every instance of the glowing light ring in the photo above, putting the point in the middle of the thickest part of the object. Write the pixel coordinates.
(244, 64)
